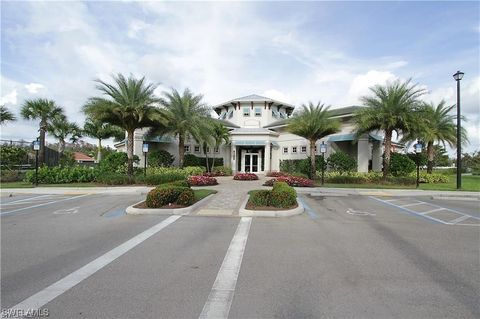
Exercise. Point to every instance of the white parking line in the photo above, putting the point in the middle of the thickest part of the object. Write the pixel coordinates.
(46, 295)
(221, 297)
(413, 204)
(24, 199)
(459, 219)
(431, 211)
(43, 204)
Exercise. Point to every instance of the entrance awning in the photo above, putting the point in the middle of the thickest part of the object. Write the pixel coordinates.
(351, 137)
(249, 143)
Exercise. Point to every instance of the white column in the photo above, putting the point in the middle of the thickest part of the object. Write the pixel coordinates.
(138, 146)
(233, 158)
(260, 157)
(363, 154)
(377, 156)
(267, 157)
(241, 157)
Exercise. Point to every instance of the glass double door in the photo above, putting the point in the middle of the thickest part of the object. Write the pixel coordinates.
(251, 163)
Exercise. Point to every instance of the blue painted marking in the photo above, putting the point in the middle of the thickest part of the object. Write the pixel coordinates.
(115, 213)
(430, 219)
(309, 211)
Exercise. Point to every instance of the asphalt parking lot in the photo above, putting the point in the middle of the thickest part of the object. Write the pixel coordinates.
(80, 256)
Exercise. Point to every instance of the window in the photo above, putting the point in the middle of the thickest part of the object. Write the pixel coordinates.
(303, 149)
(187, 148)
(285, 150)
(197, 148)
(246, 111)
(315, 149)
(258, 111)
(294, 149)
(216, 150)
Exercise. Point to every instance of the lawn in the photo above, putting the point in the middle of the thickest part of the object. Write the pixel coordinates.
(469, 183)
(202, 193)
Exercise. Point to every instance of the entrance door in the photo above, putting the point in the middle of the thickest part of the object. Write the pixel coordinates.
(251, 163)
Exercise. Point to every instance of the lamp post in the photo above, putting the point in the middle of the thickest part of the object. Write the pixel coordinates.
(458, 77)
(418, 151)
(145, 151)
(36, 148)
(323, 150)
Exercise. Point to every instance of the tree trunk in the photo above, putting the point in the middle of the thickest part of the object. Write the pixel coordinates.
(41, 153)
(430, 157)
(99, 152)
(213, 158)
(206, 157)
(181, 150)
(130, 154)
(313, 172)
(388, 150)
(61, 147)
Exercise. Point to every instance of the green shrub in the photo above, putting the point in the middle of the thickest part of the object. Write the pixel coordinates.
(162, 196)
(260, 198)
(116, 162)
(222, 171)
(193, 170)
(13, 155)
(341, 162)
(301, 167)
(107, 178)
(282, 195)
(160, 158)
(61, 175)
(401, 165)
(430, 178)
(157, 179)
(11, 176)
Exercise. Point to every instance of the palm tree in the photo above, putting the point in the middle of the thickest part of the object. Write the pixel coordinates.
(435, 126)
(219, 134)
(6, 115)
(129, 103)
(185, 115)
(313, 122)
(60, 128)
(101, 131)
(43, 110)
(390, 109)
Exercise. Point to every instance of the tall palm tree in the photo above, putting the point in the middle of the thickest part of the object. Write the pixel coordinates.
(436, 125)
(43, 110)
(313, 122)
(101, 131)
(219, 134)
(390, 109)
(185, 115)
(128, 103)
(60, 128)
(6, 115)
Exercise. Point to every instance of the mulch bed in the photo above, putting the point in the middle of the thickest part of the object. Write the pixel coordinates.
(252, 207)
(144, 205)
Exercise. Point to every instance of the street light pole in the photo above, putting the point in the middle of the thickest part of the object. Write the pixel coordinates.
(323, 150)
(458, 76)
(145, 151)
(418, 151)
(36, 148)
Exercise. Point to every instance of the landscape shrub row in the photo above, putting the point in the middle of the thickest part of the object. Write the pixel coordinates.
(202, 181)
(245, 177)
(219, 171)
(281, 196)
(294, 181)
(60, 175)
(192, 160)
(170, 195)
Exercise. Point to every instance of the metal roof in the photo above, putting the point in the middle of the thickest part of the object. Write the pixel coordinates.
(254, 98)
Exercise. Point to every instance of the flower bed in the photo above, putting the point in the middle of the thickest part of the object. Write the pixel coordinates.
(202, 180)
(245, 177)
(276, 174)
(294, 181)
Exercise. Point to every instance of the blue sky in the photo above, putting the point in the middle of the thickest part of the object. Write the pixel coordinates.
(294, 52)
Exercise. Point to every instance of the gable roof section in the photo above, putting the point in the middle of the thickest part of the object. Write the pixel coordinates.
(78, 156)
(254, 98)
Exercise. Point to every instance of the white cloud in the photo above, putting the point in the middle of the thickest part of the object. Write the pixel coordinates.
(33, 87)
(277, 95)
(10, 98)
(361, 84)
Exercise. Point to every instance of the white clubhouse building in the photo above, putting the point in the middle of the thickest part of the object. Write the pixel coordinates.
(259, 139)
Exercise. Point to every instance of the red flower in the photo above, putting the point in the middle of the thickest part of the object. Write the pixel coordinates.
(245, 177)
(202, 181)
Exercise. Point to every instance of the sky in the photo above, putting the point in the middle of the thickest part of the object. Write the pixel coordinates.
(294, 52)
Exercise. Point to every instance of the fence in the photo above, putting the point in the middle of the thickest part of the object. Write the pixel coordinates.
(19, 155)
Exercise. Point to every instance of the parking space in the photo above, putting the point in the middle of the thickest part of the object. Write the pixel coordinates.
(434, 210)
(25, 204)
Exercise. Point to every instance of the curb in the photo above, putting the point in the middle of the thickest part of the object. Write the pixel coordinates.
(243, 212)
(165, 211)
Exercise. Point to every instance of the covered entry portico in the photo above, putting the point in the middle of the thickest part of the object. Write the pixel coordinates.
(250, 156)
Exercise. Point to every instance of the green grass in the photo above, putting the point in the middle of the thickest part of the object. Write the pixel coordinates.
(469, 183)
(202, 193)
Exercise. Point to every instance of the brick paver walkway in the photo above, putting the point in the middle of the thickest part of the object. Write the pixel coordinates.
(230, 195)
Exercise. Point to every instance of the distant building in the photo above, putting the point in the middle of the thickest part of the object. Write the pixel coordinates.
(259, 139)
(83, 158)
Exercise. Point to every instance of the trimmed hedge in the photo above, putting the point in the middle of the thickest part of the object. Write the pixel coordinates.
(192, 160)
(401, 165)
(160, 158)
(170, 195)
(113, 179)
(260, 198)
(61, 175)
(281, 196)
(294, 181)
